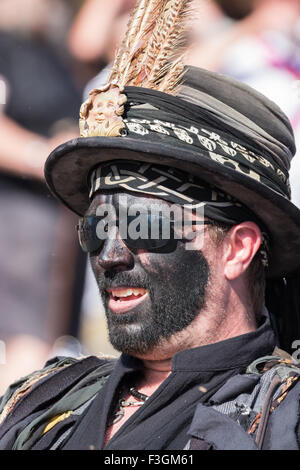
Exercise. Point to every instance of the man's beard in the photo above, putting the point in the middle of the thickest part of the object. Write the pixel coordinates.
(176, 297)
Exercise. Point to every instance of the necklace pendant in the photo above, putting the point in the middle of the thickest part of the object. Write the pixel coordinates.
(118, 415)
(140, 400)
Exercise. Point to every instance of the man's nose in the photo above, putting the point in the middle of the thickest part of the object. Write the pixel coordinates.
(115, 256)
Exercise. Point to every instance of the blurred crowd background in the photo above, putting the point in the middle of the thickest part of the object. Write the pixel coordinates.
(52, 53)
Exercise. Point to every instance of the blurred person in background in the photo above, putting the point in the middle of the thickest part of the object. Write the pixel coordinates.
(258, 43)
(38, 246)
(95, 37)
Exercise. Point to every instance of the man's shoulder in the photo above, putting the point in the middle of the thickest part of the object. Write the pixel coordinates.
(253, 408)
(57, 381)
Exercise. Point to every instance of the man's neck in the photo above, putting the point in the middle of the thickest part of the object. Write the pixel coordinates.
(227, 315)
(154, 373)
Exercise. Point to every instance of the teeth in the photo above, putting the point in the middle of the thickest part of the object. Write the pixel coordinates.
(127, 292)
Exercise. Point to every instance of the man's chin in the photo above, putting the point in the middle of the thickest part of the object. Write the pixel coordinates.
(129, 339)
(160, 351)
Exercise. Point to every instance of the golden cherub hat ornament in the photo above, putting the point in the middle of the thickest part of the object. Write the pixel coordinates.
(101, 114)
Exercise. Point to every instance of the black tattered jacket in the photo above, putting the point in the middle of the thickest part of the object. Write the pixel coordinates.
(69, 407)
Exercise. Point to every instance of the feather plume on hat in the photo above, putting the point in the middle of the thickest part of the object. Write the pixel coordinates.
(151, 56)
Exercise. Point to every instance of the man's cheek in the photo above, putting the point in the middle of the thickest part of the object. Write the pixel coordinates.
(157, 264)
(144, 259)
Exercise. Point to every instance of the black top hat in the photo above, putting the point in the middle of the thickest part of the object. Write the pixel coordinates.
(216, 128)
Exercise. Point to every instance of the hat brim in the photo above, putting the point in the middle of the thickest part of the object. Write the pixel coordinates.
(68, 167)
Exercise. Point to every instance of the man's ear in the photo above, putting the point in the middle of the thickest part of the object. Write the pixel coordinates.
(240, 246)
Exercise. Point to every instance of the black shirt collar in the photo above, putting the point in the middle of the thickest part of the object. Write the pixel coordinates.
(231, 353)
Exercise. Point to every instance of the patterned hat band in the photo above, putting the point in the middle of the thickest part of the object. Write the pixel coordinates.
(150, 115)
(174, 186)
(171, 185)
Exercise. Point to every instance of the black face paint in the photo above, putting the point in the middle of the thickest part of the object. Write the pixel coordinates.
(176, 283)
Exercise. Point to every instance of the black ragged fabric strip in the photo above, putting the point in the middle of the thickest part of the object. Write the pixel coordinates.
(48, 389)
(188, 125)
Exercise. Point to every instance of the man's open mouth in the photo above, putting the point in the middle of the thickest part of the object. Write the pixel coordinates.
(122, 299)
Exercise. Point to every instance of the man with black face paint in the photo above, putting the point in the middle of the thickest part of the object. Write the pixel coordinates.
(198, 283)
(142, 311)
